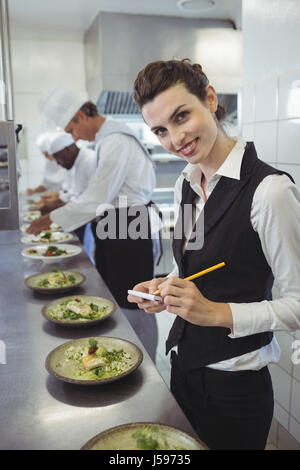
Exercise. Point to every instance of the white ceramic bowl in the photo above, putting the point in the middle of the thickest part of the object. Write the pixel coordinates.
(53, 228)
(57, 237)
(72, 250)
(31, 216)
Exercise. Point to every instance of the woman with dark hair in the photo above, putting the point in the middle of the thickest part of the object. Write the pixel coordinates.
(244, 213)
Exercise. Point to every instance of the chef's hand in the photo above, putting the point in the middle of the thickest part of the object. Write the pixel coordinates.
(45, 209)
(37, 226)
(51, 206)
(39, 189)
(50, 196)
(183, 298)
(148, 287)
(30, 192)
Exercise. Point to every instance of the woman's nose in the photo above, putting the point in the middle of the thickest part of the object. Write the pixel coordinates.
(177, 138)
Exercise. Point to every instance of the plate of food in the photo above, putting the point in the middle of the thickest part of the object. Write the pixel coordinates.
(35, 207)
(52, 253)
(54, 282)
(53, 228)
(31, 216)
(33, 199)
(78, 310)
(47, 237)
(93, 361)
(144, 436)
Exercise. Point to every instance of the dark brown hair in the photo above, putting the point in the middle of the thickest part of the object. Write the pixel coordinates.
(158, 76)
(90, 109)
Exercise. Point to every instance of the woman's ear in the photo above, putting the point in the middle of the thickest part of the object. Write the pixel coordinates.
(211, 99)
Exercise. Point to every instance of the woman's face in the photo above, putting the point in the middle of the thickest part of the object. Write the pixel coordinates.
(183, 123)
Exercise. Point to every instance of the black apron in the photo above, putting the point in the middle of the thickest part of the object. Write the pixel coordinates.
(123, 262)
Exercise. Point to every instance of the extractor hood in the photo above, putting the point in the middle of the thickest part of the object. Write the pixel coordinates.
(116, 102)
(121, 103)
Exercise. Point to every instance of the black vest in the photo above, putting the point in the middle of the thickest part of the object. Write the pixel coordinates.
(247, 277)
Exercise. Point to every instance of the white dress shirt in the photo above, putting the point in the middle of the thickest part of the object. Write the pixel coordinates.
(275, 216)
(78, 177)
(123, 173)
(54, 175)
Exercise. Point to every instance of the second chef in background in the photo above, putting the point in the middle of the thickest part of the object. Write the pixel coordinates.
(53, 173)
(78, 163)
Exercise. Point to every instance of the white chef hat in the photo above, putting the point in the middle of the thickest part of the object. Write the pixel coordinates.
(60, 106)
(58, 141)
(42, 142)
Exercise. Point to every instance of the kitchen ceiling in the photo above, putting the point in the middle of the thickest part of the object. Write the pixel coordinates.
(75, 16)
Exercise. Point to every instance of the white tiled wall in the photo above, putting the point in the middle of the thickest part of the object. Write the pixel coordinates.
(271, 118)
(38, 65)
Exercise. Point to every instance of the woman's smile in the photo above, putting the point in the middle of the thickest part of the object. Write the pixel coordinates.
(184, 124)
(188, 149)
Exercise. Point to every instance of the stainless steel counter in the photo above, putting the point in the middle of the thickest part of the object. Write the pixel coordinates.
(38, 411)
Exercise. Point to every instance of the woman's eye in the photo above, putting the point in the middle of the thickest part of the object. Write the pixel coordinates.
(160, 132)
(182, 115)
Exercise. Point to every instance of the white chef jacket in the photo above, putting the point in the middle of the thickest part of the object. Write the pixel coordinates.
(123, 172)
(78, 177)
(54, 175)
(275, 216)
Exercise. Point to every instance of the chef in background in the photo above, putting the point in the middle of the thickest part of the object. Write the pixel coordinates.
(53, 173)
(124, 178)
(80, 165)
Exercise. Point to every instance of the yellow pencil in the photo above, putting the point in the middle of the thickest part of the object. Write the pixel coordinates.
(201, 273)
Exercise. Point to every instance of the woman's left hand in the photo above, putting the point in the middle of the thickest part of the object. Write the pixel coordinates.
(183, 298)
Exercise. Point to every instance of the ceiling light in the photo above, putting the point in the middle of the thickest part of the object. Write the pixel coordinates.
(195, 6)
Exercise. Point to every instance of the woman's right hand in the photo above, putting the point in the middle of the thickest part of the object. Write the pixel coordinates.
(148, 287)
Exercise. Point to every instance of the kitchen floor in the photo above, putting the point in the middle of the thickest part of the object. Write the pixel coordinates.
(271, 446)
(164, 323)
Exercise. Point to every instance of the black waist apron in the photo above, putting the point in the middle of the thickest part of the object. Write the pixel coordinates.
(125, 257)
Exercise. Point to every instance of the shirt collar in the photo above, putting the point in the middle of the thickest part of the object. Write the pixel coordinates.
(231, 167)
(99, 134)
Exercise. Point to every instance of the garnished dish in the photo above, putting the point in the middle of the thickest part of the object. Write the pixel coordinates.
(78, 310)
(33, 199)
(51, 253)
(47, 237)
(144, 436)
(53, 228)
(31, 216)
(55, 281)
(35, 206)
(92, 361)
